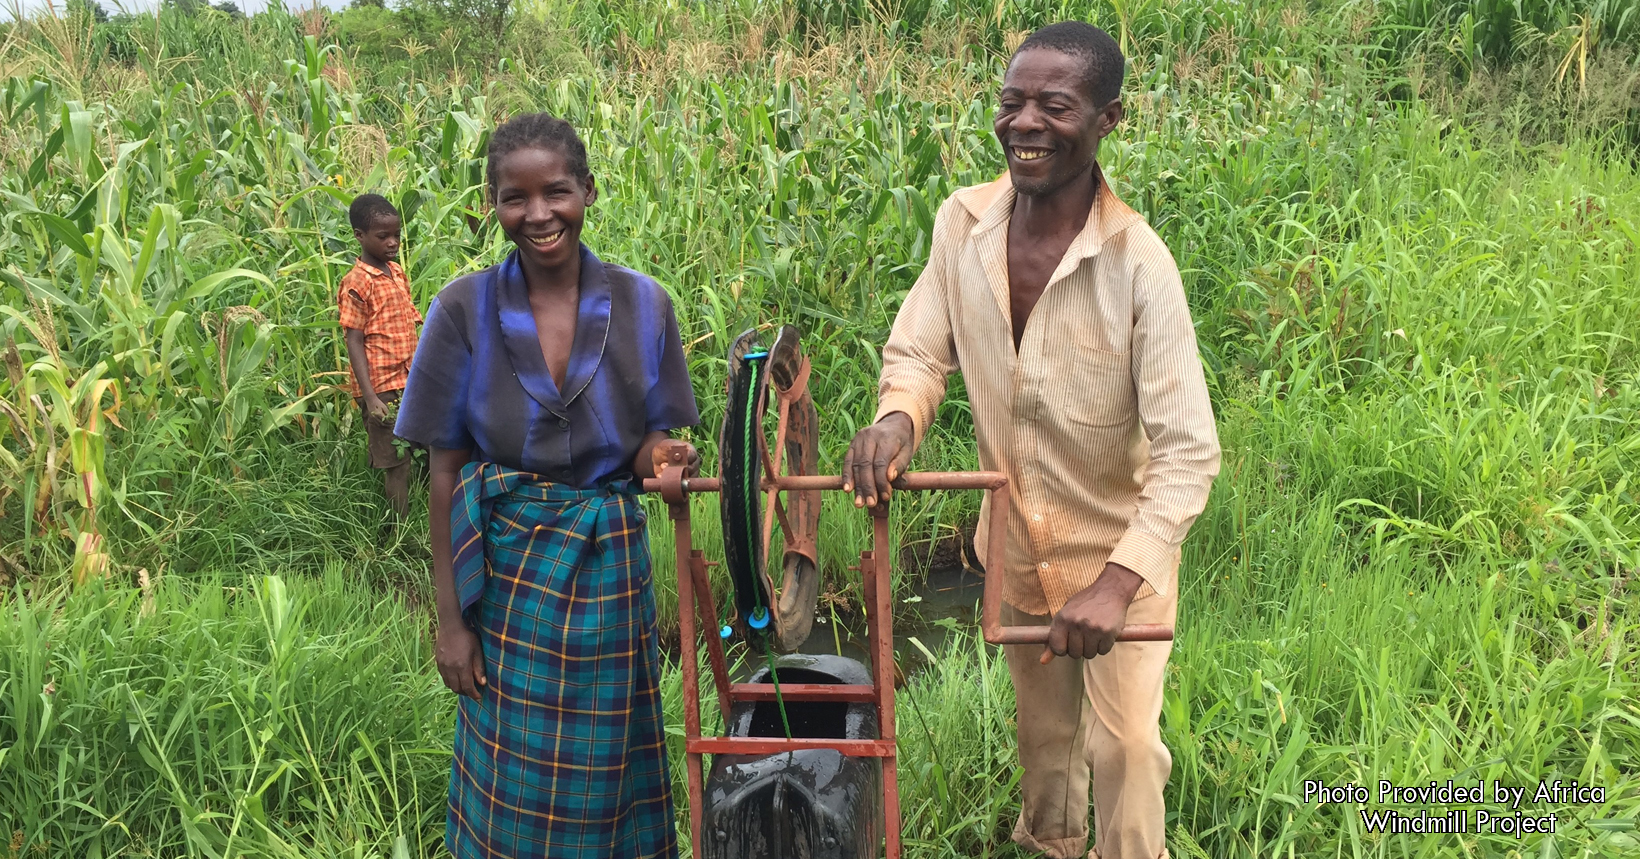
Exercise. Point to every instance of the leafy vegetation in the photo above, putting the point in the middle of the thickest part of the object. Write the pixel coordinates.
(1406, 232)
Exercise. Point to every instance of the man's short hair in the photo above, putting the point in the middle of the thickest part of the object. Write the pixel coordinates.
(1105, 63)
(367, 208)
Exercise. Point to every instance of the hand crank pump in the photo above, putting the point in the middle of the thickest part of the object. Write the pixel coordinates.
(752, 468)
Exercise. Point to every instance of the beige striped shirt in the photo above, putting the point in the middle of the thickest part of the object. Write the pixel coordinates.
(1101, 420)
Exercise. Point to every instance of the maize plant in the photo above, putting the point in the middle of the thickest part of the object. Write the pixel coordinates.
(168, 266)
(62, 420)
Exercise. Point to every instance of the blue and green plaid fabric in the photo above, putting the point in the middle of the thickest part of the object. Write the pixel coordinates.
(565, 757)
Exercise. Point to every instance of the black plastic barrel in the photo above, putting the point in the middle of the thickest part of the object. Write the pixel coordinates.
(807, 804)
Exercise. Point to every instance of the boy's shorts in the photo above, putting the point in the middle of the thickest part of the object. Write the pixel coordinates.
(379, 436)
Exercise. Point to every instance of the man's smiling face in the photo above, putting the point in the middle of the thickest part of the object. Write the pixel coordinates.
(1047, 122)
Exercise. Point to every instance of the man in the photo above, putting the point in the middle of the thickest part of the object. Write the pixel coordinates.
(1064, 313)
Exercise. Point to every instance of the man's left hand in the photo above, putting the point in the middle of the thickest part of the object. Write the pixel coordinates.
(1090, 621)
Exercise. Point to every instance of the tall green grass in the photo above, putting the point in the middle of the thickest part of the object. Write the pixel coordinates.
(281, 716)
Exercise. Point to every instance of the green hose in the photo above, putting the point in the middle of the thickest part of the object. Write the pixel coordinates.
(751, 470)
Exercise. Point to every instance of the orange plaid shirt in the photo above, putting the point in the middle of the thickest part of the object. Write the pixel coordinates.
(378, 303)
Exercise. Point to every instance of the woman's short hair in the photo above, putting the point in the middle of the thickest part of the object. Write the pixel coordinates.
(536, 130)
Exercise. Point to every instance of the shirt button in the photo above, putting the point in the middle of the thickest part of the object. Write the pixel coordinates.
(1037, 518)
(563, 424)
(1042, 566)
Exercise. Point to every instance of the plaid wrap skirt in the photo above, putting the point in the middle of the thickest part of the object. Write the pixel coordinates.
(565, 756)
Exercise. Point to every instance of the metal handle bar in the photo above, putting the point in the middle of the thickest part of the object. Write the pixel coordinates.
(674, 487)
(914, 481)
(1039, 634)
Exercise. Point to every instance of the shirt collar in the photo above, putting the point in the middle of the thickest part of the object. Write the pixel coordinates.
(523, 341)
(392, 269)
(993, 204)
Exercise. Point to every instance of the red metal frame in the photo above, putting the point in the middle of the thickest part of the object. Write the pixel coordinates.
(876, 568)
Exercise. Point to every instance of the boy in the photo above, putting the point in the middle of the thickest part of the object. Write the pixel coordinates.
(379, 320)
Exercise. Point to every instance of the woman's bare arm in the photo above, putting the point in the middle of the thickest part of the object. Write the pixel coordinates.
(456, 652)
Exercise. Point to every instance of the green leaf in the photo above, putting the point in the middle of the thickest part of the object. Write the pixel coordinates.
(209, 283)
(64, 231)
(333, 192)
(36, 96)
(81, 212)
(167, 341)
(280, 416)
(77, 128)
(157, 223)
(37, 167)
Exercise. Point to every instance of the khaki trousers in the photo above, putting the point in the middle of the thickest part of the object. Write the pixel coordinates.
(1100, 716)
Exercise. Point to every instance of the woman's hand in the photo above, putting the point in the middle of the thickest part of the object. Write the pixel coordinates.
(659, 453)
(460, 660)
(663, 457)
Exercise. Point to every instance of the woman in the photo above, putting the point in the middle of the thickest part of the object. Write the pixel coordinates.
(544, 386)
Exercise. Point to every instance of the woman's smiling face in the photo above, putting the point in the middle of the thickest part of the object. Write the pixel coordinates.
(542, 204)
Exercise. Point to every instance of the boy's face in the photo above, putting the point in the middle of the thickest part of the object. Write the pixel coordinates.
(381, 241)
